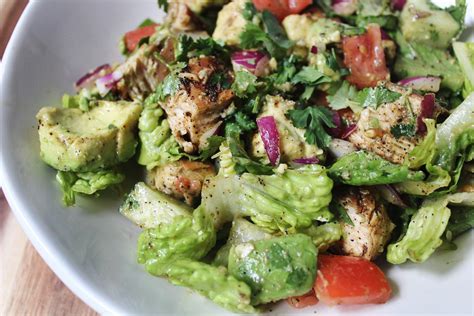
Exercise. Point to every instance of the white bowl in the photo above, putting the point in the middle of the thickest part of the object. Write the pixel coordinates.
(91, 247)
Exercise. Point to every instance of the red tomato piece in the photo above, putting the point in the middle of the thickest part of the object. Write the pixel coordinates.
(132, 38)
(296, 6)
(308, 299)
(350, 280)
(365, 58)
(282, 8)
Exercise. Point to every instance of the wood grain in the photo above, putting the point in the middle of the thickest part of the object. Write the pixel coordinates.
(28, 286)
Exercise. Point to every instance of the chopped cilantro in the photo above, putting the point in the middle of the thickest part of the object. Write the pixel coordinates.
(313, 119)
(400, 130)
(249, 11)
(163, 4)
(187, 47)
(213, 144)
(311, 76)
(341, 212)
(344, 97)
(254, 37)
(245, 83)
(374, 97)
(242, 160)
(147, 22)
(275, 31)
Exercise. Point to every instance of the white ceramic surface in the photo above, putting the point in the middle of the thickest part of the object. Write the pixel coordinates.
(91, 247)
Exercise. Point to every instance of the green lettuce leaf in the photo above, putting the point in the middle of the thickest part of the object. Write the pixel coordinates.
(293, 199)
(365, 168)
(417, 59)
(465, 54)
(86, 183)
(188, 237)
(423, 152)
(453, 145)
(157, 145)
(424, 233)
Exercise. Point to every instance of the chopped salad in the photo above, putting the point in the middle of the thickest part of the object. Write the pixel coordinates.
(286, 144)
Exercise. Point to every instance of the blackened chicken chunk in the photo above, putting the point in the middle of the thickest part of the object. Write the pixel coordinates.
(195, 111)
(181, 179)
(372, 226)
(390, 129)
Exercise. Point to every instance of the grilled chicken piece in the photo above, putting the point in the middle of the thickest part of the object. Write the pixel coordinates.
(143, 71)
(195, 111)
(181, 179)
(180, 17)
(374, 126)
(372, 226)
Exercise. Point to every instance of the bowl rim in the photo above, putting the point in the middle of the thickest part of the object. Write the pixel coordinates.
(52, 256)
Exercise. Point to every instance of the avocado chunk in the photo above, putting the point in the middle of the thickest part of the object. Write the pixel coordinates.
(73, 140)
(275, 268)
(149, 208)
(423, 22)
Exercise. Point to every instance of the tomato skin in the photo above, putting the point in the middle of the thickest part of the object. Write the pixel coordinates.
(282, 8)
(308, 299)
(132, 38)
(365, 57)
(350, 280)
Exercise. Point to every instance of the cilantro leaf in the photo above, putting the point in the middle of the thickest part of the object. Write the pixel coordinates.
(249, 11)
(345, 97)
(147, 22)
(286, 70)
(245, 83)
(187, 47)
(313, 119)
(243, 161)
(341, 212)
(400, 130)
(163, 4)
(254, 37)
(311, 76)
(275, 31)
(171, 84)
(214, 143)
(374, 97)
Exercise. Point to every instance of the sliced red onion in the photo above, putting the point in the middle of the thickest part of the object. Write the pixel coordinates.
(348, 131)
(339, 147)
(306, 161)
(385, 35)
(87, 81)
(426, 111)
(398, 4)
(270, 137)
(431, 84)
(314, 49)
(336, 131)
(391, 195)
(344, 7)
(108, 82)
(253, 61)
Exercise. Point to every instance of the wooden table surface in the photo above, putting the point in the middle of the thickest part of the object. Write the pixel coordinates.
(27, 284)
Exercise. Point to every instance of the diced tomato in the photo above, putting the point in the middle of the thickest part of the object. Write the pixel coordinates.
(282, 8)
(350, 280)
(365, 57)
(132, 38)
(308, 299)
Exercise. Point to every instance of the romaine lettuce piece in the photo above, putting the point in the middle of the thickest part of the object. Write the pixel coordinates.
(86, 183)
(365, 168)
(324, 235)
(293, 199)
(242, 231)
(424, 233)
(275, 268)
(416, 59)
(423, 152)
(188, 237)
(465, 54)
(461, 220)
(148, 208)
(157, 145)
(212, 282)
(454, 142)
(423, 22)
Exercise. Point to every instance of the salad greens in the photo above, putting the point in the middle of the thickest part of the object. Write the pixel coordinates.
(277, 140)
